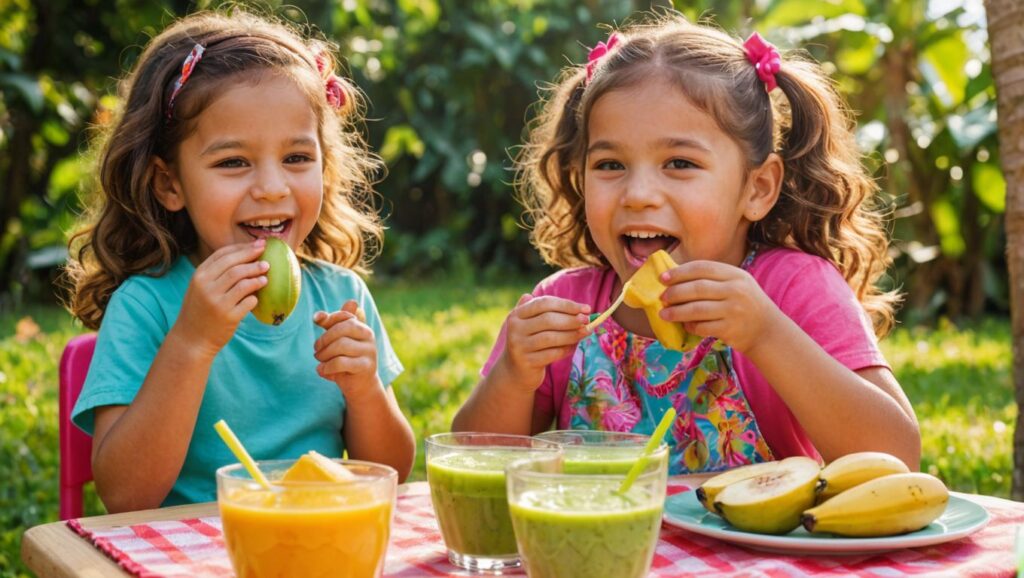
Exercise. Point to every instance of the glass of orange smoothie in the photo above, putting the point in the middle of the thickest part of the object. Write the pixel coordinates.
(305, 525)
(466, 472)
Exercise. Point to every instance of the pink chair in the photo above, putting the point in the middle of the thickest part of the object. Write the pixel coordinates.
(75, 445)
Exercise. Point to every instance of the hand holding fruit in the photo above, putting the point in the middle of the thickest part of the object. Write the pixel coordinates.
(220, 294)
(539, 331)
(720, 300)
(347, 351)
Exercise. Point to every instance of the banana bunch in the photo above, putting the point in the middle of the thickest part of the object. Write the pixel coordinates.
(863, 494)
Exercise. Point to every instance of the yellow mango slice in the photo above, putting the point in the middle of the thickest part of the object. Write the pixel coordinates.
(643, 291)
(315, 467)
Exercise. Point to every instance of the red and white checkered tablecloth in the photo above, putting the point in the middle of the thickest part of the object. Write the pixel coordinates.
(195, 548)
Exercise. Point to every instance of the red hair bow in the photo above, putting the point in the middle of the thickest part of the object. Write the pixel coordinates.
(600, 51)
(765, 58)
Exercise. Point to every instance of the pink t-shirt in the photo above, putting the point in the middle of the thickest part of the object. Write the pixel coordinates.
(808, 289)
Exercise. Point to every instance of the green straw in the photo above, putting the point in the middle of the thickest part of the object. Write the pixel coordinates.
(652, 444)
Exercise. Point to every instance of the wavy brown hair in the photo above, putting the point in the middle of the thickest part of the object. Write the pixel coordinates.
(126, 231)
(828, 204)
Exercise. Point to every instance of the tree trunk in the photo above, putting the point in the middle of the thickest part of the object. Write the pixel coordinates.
(1006, 38)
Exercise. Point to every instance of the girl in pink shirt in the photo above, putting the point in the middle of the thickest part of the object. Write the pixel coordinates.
(673, 136)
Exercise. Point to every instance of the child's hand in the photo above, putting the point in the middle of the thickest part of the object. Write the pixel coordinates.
(540, 331)
(220, 294)
(716, 299)
(347, 351)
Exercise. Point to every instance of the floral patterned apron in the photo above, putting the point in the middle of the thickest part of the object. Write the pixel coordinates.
(620, 381)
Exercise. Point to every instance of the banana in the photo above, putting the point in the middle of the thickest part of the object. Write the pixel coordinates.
(709, 490)
(771, 503)
(855, 469)
(644, 291)
(885, 506)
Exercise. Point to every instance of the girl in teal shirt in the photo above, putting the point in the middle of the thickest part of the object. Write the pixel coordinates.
(234, 129)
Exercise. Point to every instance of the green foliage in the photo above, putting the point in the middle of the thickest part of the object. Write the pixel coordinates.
(958, 379)
(960, 383)
(452, 84)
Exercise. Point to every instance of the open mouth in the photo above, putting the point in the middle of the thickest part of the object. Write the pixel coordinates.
(640, 245)
(266, 227)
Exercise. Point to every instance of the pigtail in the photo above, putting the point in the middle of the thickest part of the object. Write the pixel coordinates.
(828, 204)
(549, 180)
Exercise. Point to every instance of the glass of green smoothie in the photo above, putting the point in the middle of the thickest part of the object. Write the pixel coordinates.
(578, 525)
(466, 473)
(596, 451)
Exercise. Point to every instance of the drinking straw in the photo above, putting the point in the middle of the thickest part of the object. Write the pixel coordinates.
(652, 444)
(243, 456)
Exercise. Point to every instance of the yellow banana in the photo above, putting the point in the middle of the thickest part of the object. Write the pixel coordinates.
(709, 490)
(771, 503)
(885, 506)
(855, 469)
(643, 291)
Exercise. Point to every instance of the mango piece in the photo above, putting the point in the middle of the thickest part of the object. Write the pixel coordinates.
(277, 299)
(643, 291)
(316, 467)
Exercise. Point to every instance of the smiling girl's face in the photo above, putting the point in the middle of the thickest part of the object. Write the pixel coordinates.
(661, 174)
(252, 167)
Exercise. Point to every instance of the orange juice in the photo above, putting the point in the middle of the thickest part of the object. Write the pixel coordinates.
(308, 529)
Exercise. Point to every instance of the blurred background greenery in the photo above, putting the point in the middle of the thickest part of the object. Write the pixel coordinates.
(451, 85)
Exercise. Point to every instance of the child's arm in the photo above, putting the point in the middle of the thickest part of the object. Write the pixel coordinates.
(138, 449)
(539, 331)
(842, 411)
(375, 429)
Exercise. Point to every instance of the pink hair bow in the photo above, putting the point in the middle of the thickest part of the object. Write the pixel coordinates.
(765, 58)
(333, 85)
(600, 51)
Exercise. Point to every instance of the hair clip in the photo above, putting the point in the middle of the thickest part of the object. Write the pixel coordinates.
(600, 51)
(765, 58)
(193, 58)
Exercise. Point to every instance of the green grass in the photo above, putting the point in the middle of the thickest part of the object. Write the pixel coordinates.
(959, 380)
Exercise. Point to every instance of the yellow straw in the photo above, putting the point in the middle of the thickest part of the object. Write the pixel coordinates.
(243, 456)
(652, 444)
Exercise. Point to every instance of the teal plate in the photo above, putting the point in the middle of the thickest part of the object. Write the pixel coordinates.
(961, 518)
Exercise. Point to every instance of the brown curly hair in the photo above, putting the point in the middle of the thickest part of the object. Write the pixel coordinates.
(828, 204)
(126, 231)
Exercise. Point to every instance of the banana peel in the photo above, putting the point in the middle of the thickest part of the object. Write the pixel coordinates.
(643, 291)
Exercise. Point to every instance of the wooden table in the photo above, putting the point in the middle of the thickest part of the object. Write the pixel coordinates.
(55, 551)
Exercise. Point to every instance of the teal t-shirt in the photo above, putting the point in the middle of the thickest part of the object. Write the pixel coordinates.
(263, 383)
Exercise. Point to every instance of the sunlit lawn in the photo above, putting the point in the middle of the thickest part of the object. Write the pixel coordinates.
(958, 380)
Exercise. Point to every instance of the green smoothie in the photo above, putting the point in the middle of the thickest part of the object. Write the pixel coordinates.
(471, 502)
(587, 532)
(599, 460)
